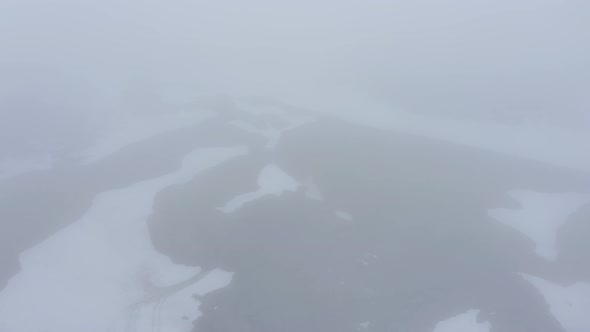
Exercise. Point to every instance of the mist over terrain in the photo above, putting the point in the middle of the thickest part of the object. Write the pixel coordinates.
(254, 166)
(81, 60)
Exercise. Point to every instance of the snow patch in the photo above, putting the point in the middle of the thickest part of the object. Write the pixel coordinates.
(540, 216)
(87, 276)
(466, 322)
(271, 181)
(569, 304)
(177, 312)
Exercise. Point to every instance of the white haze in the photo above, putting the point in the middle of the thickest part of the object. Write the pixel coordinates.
(70, 66)
(81, 80)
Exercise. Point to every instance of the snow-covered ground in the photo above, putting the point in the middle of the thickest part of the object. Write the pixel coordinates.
(129, 130)
(569, 304)
(271, 181)
(175, 313)
(91, 275)
(465, 322)
(106, 283)
(540, 216)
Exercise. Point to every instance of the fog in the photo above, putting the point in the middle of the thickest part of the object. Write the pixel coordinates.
(77, 60)
(137, 134)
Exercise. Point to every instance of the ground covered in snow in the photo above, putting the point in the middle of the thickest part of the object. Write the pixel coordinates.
(262, 218)
(91, 273)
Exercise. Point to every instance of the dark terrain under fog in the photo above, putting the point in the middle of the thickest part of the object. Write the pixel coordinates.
(384, 231)
(294, 166)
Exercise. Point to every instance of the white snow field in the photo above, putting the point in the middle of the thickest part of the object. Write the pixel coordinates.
(271, 181)
(465, 322)
(569, 304)
(540, 216)
(96, 274)
(129, 130)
